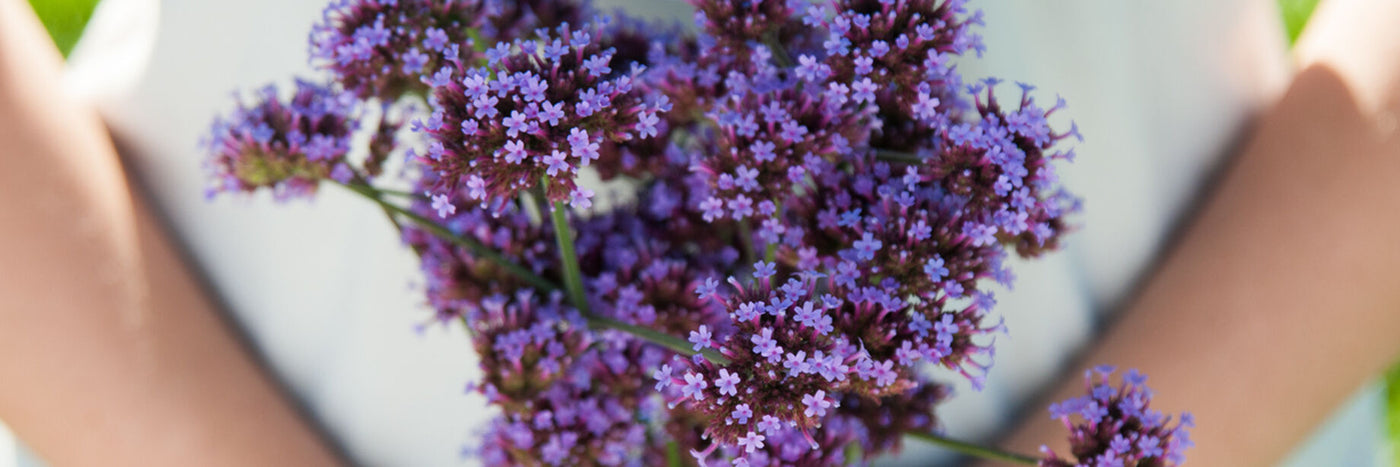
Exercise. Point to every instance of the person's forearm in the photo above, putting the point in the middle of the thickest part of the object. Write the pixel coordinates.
(1283, 297)
(109, 352)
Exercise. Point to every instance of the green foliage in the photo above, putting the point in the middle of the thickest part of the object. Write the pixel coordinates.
(64, 19)
(1295, 15)
(1392, 413)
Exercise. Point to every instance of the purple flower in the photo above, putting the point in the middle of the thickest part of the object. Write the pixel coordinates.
(373, 46)
(700, 338)
(765, 346)
(556, 162)
(751, 442)
(694, 386)
(570, 110)
(764, 270)
(934, 269)
(863, 90)
(839, 144)
(264, 144)
(1133, 434)
(443, 206)
(867, 246)
(816, 404)
(662, 377)
(581, 198)
(726, 381)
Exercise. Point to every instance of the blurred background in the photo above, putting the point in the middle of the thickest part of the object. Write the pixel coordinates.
(1365, 431)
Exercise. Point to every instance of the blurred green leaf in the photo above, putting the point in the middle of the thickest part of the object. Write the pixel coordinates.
(64, 19)
(1392, 413)
(1295, 16)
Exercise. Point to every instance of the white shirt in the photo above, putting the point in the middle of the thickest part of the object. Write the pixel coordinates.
(324, 290)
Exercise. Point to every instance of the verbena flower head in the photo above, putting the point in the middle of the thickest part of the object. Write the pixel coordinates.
(1117, 426)
(774, 136)
(386, 48)
(565, 393)
(1002, 169)
(539, 110)
(805, 193)
(900, 45)
(734, 25)
(457, 279)
(512, 19)
(903, 53)
(286, 145)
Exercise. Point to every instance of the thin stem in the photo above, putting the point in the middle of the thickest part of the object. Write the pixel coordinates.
(674, 343)
(973, 449)
(780, 54)
(898, 156)
(573, 284)
(442, 232)
(406, 194)
(573, 277)
(746, 239)
(574, 287)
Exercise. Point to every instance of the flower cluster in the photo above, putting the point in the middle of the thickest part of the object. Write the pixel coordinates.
(1117, 426)
(903, 52)
(385, 48)
(734, 25)
(541, 109)
(287, 145)
(774, 136)
(803, 207)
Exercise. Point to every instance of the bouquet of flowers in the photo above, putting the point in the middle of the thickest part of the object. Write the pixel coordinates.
(747, 240)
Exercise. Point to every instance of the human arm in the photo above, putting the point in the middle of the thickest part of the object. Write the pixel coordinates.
(1280, 299)
(110, 354)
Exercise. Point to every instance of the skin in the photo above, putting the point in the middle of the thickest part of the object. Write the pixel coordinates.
(110, 352)
(1280, 299)
(1278, 302)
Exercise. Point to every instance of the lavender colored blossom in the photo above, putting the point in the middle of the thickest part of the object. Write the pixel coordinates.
(508, 20)
(386, 48)
(735, 24)
(814, 199)
(526, 116)
(287, 145)
(1116, 425)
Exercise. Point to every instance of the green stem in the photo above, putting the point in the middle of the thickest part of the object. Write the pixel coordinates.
(442, 232)
(780, 54)
(898, 156)
(573, 284)
(573, 277)
(406, 194)
(973, 449)
(680, 346)
(574, 287)
(746, 239)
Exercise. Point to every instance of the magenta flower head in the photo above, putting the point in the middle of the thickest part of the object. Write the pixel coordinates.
(902, 54)
(538, 112)
(458, 279)
(775, 137)
(898, 45)
(1116, 426)
(518, 19)
(286, 145)
(733, 25)
(808, 208)
(386, 48)
(1002, 170)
